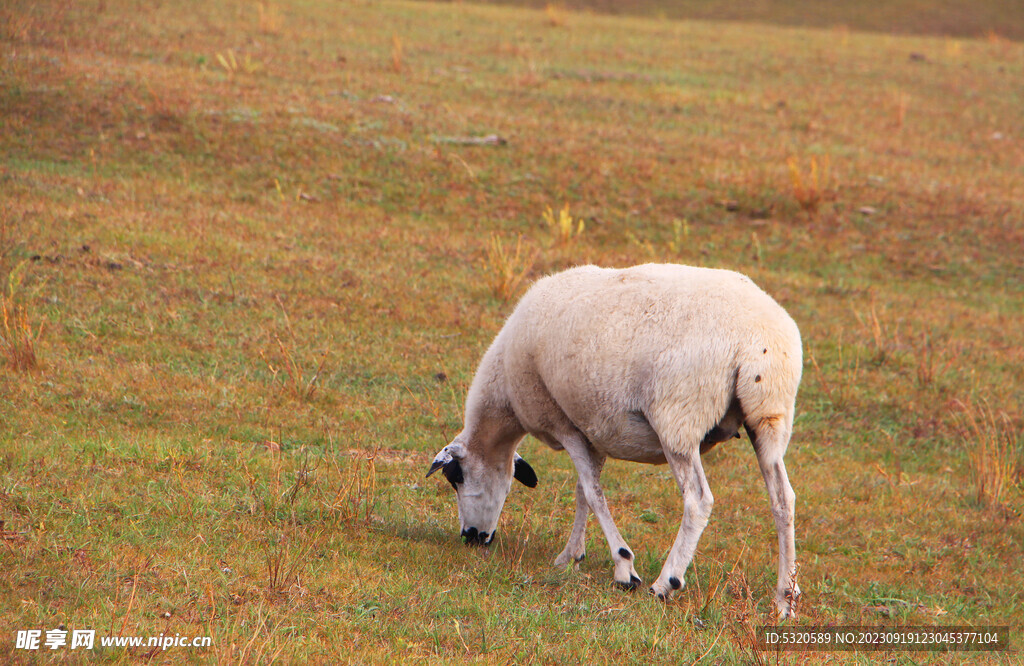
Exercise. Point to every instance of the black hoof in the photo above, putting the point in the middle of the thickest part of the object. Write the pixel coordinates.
(581, 557)
(661, 597)
(634, 582)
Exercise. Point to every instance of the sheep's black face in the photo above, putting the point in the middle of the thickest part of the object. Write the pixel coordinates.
(480, 488)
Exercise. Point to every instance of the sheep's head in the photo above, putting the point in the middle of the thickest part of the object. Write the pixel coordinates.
(481, 487)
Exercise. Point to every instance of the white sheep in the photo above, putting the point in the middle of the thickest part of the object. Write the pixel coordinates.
(655, 363)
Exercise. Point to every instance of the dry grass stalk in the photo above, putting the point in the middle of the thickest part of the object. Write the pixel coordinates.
(228, 61)
(295, 380)
(681, 232)
(507, 268)
(845, 378)
(755, 244)
(282, 570)
(565, 228)
(874, 326)
(233, 65)
(878, 332)
(131, 603)
(811, 189)
(6, 245)
(354, 499)
(397, 51)
(17, 339)
(513, 548)
(556, 15)
(17, 24)
(269, 19)
(741, 615)
(902, 99)
(929, 366)
(991, 446)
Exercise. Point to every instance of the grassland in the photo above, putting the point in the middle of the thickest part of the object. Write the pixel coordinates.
(251, 254)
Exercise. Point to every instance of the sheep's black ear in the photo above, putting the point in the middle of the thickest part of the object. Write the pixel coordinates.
(452, 471)
(524, 474)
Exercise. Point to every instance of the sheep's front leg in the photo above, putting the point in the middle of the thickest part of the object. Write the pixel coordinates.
(697, 503)
(588, 469)
(576, 549)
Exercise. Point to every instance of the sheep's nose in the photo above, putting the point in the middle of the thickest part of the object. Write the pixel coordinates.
(472, 537)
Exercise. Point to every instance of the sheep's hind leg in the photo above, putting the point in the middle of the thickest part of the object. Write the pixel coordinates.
(697, 503)
(588, 468)
(576, 548)
(770, 438)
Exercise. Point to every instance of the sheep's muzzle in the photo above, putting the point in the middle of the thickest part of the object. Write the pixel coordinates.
(472, 537)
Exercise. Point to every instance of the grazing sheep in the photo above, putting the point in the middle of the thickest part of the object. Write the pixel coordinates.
(655, 363)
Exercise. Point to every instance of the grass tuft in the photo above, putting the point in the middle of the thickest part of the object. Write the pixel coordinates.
(355, 496)
(563, 226)
(17, 338)
(286, 364)
(929, 364)
(269, 18)
(507, 269)
(810, 188)
(878, 333)
(292, 375)
(993, 449)
(232, 65)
